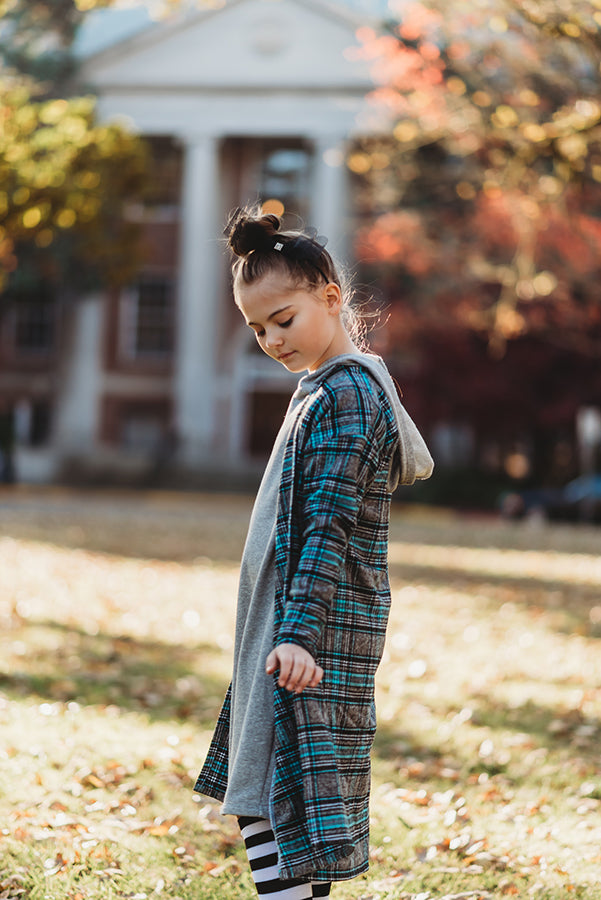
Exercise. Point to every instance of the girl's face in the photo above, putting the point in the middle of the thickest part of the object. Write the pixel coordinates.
(299, 326)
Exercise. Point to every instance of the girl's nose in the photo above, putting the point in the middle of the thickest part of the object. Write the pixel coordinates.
(273, 339)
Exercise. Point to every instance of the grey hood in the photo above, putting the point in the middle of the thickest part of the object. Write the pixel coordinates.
(413, 461)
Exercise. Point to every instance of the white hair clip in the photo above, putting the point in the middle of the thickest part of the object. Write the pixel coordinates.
(278, 246)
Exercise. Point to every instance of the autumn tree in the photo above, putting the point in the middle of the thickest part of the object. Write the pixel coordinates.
(484, 206)
(479, 203)
(36, 39)
(65, 179)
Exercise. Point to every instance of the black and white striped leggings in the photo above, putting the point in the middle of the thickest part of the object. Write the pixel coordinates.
(262, 855)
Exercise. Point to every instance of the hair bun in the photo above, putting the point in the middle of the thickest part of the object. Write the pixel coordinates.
(246, 233)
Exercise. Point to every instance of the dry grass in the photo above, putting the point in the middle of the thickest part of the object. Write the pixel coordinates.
(116, 615)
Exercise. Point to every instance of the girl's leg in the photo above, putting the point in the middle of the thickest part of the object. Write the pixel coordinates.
(262, 855)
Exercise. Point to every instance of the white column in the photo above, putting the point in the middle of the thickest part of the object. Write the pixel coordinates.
(197, 315)
(78, 401)
(330, 207)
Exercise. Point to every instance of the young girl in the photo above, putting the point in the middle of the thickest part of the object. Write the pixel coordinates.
(290, 753)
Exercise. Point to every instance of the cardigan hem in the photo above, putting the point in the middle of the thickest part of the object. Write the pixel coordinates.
(213, 793)
(309, 870)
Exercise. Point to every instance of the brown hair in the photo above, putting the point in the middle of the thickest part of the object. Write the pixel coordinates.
(260, 247)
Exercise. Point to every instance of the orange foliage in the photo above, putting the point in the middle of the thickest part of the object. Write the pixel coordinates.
(496, 123)
(397, 237)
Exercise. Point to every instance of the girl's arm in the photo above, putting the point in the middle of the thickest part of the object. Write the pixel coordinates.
(339, 460)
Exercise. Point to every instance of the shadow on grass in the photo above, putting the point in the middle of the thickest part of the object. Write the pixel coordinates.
(183, 529)
(548, 726)
(534, 725)
(163, 680)
(572, 603)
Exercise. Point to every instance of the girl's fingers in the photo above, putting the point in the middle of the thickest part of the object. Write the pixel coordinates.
(317, 676)
(298, 669)
(285, 665)
(296, 679)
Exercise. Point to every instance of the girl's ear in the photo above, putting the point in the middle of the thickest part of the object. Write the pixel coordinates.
(333, 297)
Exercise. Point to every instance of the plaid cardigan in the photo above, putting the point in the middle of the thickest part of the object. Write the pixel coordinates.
(333, 598)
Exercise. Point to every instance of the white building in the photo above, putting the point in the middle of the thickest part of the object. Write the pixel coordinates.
(252, 100)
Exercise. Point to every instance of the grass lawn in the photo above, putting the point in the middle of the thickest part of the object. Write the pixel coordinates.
(116, 624)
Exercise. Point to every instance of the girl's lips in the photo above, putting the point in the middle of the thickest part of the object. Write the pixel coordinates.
(286, 356)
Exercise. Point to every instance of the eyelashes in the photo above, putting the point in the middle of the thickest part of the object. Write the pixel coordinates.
(285, 324)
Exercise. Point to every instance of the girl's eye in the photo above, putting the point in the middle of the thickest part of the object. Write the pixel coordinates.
(287, 323)
(259, 334)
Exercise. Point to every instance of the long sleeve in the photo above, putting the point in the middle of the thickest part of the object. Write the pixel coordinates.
(339, 459)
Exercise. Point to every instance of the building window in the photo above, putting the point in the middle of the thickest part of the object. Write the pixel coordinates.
(276, 171)
(165, 171)
(34, 326)
(147, 320)
(153, 319)
(32, 421)
(285, 176)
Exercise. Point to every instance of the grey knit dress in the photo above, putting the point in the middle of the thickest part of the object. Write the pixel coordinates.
(251, 757)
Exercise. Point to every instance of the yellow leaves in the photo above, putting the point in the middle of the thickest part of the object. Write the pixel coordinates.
(87, 180)
(360, 163)
(51, 113)
(482, 98)
(60, 170)
(456, 85)
(406, 131)
(21, 196)
(529, 97)
(26, 119)
(65, 218)
(380, 160)
(534, 132)
(505, 116)
(32, 217)
(57, 179)
(589, 110)
(73, 128)
(571, 29)
(498, 24)
(573, 146)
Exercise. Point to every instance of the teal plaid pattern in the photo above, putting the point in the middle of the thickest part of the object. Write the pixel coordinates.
(333, 598)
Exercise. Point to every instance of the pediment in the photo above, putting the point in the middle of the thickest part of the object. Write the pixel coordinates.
(246, 45)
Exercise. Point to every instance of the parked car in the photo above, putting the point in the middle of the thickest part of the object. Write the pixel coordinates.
(579, 500)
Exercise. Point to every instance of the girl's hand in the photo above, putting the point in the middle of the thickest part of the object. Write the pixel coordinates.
(298, 669)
